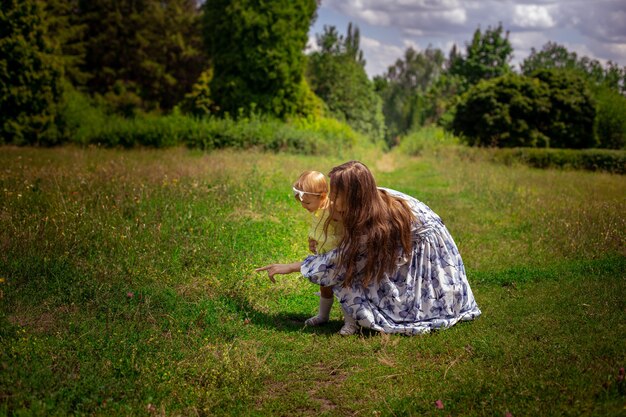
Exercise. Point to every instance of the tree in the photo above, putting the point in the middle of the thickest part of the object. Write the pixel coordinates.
(551, 109)
(337, 75)
(507, 111)
(608, 86)
(142, 53)
(607, 83)
(487, 56)
(551, 56)
(198, 101)
(572, 110)
(407, 81)
(30, 75)
(353, 45)
(555, 56)
(610, 118)
(66, 32)
(440, 99)
(256, 50)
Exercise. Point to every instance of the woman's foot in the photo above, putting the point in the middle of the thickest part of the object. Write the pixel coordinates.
(349, 328)
(316, 321)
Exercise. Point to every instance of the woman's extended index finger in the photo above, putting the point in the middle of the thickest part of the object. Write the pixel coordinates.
(269, 274)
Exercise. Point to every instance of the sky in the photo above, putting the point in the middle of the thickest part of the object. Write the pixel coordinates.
(591, 28)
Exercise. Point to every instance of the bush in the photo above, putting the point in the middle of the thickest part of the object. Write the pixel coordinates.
(612, 161)
(301, 135)
(427, 138)
(611, 119)
(570, 123)
(79, 118)
(550, 109)
(503, 112)
(84, 123)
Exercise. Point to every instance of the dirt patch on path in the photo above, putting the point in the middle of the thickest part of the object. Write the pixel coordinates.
(387, 163)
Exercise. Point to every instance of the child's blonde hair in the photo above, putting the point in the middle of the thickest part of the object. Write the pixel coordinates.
(313, 182)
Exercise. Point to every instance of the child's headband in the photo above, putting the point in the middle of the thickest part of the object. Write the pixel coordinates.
(300, 193)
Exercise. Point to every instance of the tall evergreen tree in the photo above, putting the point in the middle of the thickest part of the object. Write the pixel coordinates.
(353, 45)
(256, 49)
(30, 75)
(337, 75)
(66, 32)
(142, 53)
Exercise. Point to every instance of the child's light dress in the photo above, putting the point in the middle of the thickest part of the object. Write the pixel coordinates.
(325, 242)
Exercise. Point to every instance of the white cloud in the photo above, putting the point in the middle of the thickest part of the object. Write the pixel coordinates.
(379, 56)
(402, 13)
(603, 52)
(409, 43)
(432, 19)
(311, 45)
(531, 16)
(374, 18)
(522, 44)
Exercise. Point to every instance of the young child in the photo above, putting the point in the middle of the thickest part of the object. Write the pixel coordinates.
(311, 190)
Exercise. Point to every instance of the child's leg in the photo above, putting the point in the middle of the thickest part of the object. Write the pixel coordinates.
(326, 292)
(326, 302)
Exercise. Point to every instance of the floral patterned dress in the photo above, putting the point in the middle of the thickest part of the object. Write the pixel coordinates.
(428, 290)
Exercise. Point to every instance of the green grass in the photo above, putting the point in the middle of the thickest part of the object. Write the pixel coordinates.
(127, 288)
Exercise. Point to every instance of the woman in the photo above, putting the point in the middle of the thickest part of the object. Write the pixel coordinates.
(396, 268)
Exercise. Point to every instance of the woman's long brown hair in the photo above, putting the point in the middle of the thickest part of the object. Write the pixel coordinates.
(376, 225)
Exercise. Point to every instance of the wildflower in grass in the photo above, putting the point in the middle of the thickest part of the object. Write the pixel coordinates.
(439, 404)
(130, 294)
(2, 282)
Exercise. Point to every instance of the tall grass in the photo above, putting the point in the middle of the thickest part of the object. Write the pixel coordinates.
(126, 288)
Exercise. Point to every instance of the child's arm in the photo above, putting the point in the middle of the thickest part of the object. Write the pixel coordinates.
(280, 269)
(313, 245)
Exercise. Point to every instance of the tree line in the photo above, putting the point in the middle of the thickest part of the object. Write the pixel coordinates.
(234, 58)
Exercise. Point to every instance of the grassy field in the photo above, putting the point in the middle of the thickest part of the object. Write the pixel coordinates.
(127, 288)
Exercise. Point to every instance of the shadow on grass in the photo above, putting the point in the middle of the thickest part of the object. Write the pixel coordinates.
(288, 322)
(294, 323)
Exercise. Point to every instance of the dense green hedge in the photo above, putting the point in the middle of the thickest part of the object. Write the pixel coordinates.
(613, 161)
(324, 136)
(84, 123)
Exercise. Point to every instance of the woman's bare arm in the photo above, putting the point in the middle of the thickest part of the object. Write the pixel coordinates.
(280, 269)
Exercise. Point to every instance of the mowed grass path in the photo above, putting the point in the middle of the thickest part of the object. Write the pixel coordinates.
(127, 288)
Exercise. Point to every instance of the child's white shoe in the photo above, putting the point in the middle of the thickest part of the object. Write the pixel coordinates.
(323, 314)
(315, 321)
